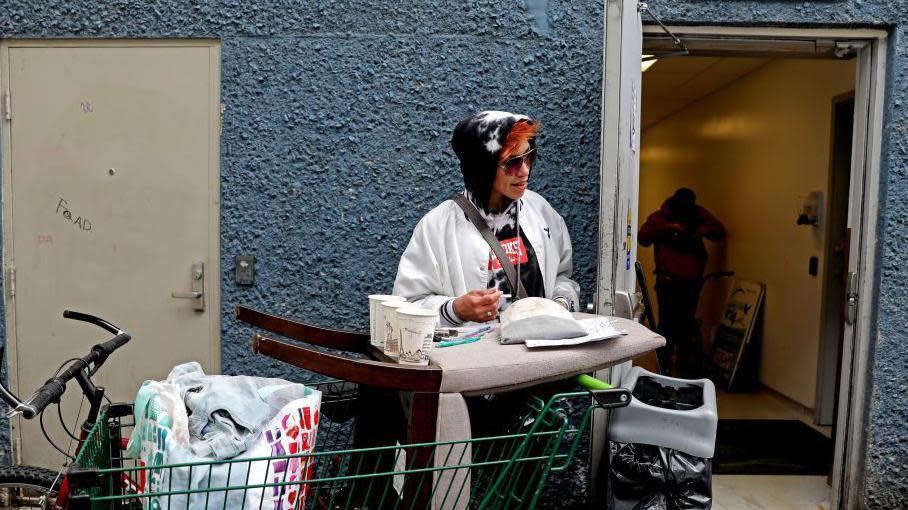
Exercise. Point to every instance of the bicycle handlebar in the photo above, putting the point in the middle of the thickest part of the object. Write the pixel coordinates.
(113, 344)
(53, 389)
(50, 392)
(719, 274)
(702, 279)
(97, 321)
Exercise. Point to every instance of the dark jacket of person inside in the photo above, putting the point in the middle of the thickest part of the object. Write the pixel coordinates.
(677, 230)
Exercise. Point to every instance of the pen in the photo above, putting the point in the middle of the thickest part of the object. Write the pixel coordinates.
(451, 343)
(452, 334)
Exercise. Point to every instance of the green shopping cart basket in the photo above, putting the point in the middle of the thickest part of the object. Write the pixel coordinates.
(499, 472)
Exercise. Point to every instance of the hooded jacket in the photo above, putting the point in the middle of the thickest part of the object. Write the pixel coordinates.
(478, 141)
(448, 257)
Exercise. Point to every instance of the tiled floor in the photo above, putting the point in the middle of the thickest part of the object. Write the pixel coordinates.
(762, 492)
(745, 492)
(764, 405)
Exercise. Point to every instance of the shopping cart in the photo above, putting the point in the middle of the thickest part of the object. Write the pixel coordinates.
(498, 472)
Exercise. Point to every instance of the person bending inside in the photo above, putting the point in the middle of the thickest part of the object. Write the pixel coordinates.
(677, 230)
(449, 267)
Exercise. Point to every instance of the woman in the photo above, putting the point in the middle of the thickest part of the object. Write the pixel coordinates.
(448, 266)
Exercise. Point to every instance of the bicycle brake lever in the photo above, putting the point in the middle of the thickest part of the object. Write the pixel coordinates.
(13, 412)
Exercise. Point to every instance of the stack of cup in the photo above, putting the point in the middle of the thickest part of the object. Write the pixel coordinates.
(376, 321)
(390, 326)
(416, 327)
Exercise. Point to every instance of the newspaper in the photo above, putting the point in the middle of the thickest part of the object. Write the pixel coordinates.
(598, 328)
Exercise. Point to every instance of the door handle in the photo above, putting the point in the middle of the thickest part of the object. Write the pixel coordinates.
(186, 295)
(626, 304)
(197, 294)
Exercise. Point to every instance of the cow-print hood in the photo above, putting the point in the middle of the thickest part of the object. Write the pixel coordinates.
(477, 141)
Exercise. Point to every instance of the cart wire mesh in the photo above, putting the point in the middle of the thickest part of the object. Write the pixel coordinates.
(496, 472)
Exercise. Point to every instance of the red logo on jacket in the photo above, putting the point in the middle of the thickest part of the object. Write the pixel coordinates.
(515, 250)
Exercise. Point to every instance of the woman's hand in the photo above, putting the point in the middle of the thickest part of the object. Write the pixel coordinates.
(478, 305)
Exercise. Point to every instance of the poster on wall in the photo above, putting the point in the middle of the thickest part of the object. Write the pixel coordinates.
(733, 336)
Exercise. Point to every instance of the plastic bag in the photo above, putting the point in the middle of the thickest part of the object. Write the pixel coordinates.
(651, 392)
(161, 438)
(647, 477)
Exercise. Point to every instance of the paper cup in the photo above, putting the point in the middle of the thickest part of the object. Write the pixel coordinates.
(416, 327)
(374, 320)
(390, 326)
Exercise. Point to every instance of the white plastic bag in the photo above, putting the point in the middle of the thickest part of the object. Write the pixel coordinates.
(161, 438)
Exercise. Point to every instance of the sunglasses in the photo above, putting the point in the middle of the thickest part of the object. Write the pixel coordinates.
(513, 165)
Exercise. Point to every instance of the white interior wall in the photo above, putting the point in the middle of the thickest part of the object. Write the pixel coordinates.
(752, 151)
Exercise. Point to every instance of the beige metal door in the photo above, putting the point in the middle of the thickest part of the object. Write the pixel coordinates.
(110, 197)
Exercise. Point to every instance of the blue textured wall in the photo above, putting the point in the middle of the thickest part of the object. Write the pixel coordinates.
(336, 129)
(337, 123)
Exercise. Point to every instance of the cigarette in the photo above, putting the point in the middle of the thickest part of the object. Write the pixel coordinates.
(506, 296)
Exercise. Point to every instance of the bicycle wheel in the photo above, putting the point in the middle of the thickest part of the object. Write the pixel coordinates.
(26, 487)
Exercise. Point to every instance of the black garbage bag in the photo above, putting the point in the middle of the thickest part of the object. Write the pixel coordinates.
(680, 398)
(647, 477)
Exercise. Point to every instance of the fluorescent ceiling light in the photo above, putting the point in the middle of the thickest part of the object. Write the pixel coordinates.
(646, 64)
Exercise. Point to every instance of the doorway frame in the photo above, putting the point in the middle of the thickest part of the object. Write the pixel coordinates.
(829, 359)
(213, 264)
(847, 473)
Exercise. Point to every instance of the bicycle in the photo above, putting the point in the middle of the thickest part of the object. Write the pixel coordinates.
(35, 487)
(489, 473)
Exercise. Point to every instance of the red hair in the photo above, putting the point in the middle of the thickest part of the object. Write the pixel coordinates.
(522, 131)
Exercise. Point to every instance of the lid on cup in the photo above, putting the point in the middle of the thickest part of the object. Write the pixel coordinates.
(386, 297)
(416, 311)
(395, 303)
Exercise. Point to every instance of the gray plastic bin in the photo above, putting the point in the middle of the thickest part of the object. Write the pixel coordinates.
(661, 445)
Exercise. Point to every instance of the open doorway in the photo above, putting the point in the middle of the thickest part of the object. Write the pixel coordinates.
(620, 185)
(764, 142)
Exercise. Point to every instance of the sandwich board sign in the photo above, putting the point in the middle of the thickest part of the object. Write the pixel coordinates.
(733, 336)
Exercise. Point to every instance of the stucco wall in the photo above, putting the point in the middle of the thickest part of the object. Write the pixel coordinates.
(330, 152)
(337, 123)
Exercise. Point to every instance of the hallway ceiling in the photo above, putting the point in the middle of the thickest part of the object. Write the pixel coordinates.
(673, 83)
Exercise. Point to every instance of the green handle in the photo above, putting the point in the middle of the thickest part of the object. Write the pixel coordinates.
(591, 383)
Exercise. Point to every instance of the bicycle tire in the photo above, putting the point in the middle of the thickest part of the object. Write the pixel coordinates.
(23, 486)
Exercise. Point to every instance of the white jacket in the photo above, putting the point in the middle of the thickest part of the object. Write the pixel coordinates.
(447, 257)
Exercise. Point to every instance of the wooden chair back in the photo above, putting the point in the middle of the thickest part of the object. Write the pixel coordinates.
(377, 372)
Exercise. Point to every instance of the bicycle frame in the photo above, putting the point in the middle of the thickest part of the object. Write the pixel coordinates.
(81, 370)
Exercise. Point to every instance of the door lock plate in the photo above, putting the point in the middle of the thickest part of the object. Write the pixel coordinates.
(197, 294)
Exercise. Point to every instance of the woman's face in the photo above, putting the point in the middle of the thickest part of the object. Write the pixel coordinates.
(512, 184)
